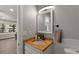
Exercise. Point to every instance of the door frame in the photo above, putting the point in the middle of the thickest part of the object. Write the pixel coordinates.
(19, 29)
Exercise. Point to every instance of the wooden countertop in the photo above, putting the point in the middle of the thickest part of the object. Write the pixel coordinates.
(40, 47)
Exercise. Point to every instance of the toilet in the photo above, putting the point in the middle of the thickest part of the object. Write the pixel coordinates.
(70, 51)
(71, 46)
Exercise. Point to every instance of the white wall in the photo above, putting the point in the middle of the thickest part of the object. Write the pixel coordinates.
(68, 18)
(29, 21)
(26, 24)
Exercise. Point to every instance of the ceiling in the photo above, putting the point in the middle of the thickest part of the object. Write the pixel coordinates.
(5, 9)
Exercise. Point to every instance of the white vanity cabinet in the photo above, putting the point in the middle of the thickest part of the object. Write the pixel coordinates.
(53, 49)
(30, 50)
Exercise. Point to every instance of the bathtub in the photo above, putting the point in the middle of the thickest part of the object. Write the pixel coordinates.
(71, 46)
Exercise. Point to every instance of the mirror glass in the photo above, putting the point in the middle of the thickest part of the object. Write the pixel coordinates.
(44, 22)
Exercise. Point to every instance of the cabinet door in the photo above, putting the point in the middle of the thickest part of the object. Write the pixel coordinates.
(30, 50)
(27, 52)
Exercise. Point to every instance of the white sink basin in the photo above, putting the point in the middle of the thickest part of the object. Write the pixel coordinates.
(38, 42)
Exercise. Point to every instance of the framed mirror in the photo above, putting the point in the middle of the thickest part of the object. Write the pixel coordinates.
(45, 21)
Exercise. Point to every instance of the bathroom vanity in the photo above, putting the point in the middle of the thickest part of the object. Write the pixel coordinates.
(31, 46)
(44, 24)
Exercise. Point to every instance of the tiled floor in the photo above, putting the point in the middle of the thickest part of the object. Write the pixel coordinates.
(8, 46)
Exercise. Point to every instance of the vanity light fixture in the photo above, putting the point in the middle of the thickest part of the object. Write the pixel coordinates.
(48, 7)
